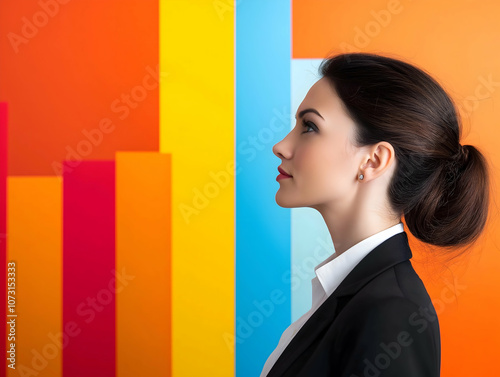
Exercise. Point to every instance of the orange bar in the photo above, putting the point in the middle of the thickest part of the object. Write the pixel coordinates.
(143, 252)
(3, 230)
(34, 243)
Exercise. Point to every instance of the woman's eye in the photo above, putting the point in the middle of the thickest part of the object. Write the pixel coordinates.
(307, 125)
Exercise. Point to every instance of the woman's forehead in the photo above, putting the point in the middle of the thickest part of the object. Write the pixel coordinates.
(322, 97)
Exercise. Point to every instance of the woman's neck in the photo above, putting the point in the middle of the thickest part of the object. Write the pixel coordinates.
(349, 228)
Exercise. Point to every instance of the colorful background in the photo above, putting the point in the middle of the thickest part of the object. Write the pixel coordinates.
(138, 179)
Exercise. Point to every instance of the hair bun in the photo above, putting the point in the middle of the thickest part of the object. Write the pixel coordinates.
(455, 164)
(463, 152)
(459, 202)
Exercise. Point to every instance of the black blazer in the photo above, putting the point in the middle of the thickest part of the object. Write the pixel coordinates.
(379, 322)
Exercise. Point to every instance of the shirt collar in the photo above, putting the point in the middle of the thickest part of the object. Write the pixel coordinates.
(335, 268)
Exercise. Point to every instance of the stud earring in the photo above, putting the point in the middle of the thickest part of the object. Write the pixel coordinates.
(361, 176)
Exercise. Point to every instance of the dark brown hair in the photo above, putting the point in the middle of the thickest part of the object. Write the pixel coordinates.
(439, 186)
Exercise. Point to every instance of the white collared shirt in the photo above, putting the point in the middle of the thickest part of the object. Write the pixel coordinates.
(329, 274)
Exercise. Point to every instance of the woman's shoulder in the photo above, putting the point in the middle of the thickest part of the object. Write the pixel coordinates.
(394, 300)
(399, 284)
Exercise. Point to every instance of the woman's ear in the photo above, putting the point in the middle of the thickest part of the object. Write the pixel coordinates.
(379, 159)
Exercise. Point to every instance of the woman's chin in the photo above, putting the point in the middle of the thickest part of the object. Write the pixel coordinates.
(285, 202)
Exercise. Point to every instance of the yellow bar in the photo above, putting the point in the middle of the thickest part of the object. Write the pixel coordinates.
(34, 218)
(197, 128)
(143, 248)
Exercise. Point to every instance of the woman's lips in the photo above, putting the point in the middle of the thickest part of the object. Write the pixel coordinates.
(282, 174)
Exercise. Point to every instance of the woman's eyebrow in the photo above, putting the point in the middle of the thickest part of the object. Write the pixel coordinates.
(301, 114)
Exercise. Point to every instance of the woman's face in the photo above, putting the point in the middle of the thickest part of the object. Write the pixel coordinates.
(319, 153)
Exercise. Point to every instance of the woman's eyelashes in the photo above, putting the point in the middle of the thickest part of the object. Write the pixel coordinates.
(307, 124)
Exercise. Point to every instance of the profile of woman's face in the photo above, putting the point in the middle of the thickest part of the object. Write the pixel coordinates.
(318, 153)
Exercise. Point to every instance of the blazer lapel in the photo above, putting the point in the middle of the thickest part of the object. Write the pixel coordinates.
(389, 253)
(313, 327)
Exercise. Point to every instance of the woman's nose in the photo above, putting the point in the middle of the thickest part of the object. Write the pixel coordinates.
(281, 149)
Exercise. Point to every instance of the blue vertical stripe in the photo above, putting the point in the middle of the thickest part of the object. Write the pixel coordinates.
(263, 297)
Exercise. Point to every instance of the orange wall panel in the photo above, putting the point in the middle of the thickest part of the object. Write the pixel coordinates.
(143, 252)
(81, 78)
(34, 243)
(455, 41)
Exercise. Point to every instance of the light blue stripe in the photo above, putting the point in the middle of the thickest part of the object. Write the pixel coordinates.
(311, 240)
(263, 40)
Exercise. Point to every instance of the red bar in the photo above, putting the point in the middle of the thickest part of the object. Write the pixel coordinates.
(3, 232)
(89, 268)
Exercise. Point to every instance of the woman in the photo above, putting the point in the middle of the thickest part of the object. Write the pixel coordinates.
(376, 139)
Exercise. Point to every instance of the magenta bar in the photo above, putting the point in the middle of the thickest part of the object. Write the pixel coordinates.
(3, 232)
(89, 268)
